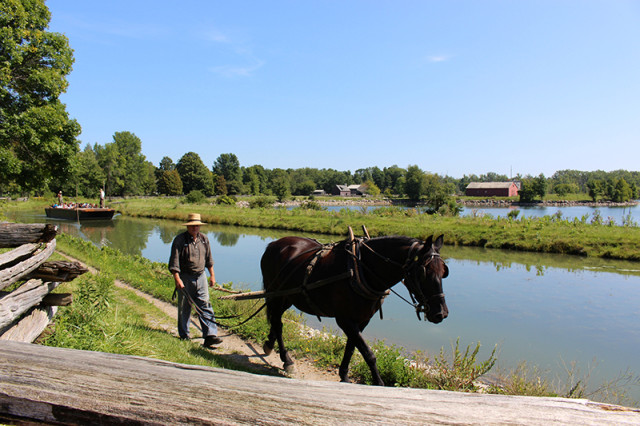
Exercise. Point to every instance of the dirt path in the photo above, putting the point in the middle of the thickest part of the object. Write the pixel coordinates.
(235, 349)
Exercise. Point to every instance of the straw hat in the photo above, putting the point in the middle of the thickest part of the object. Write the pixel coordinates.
(194, 219)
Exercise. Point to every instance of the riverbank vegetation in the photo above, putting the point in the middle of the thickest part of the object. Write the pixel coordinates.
(107, 318)
(592, 236)
(588, 236)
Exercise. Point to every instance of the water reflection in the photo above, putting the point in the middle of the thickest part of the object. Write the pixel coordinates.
(227, 239)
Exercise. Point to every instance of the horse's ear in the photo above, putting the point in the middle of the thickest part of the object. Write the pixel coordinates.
(428, 242)
(439, 242)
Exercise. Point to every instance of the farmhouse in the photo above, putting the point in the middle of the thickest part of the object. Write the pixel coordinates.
(347, 190)
(341, 190)
(356, 189)
(492, 189)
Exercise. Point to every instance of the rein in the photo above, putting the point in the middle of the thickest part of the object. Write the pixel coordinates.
(213, 319)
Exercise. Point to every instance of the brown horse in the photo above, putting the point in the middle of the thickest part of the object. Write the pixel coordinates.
(347, 281)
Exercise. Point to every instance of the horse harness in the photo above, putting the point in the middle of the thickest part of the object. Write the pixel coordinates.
(357, 280)
(408, 270)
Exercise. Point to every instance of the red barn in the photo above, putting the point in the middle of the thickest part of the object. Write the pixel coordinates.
(492, 189)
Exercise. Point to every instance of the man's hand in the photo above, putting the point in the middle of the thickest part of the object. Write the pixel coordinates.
(179, 283)
(212, 281)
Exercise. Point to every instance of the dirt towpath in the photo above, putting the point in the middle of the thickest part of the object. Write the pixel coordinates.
(236, 349)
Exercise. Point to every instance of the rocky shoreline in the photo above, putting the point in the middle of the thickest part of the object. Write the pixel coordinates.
(489, 202)
(559, 203)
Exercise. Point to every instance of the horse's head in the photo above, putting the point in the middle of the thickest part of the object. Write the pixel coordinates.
(424, 273)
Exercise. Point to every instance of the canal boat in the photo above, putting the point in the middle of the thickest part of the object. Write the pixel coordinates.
(80, 213)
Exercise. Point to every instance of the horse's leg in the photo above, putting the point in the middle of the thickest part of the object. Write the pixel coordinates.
(354, 334)
(267, 347)
(348, 353)
(274, 315)
(344, 365)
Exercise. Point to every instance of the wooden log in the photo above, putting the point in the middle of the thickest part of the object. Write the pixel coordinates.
(17, 255)
(262, 294)
(59, 270)
(19, 301)
(57, 299)
(66, 386)
(22, 270)
(17, 234)
(31, 325)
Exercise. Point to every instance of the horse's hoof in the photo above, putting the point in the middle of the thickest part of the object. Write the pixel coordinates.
(345, 380)
(266, 348)
(290, 369)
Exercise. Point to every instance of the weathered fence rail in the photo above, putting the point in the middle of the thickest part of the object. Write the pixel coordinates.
(57, 385)
(26, 311)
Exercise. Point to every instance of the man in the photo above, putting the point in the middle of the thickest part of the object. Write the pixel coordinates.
(190, 255)
(101, 198)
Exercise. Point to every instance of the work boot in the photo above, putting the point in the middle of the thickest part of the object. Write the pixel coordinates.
(211, 340)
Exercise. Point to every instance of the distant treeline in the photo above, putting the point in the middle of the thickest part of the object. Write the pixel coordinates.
(122, 169)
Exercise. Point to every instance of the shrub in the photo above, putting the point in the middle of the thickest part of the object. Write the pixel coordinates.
(227, 200)
(194, 197)
(393, 366)
(310, 205)
(260, 202)
(463, 369)
(513, 214)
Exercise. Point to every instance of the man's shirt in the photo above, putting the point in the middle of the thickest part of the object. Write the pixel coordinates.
(190, 255)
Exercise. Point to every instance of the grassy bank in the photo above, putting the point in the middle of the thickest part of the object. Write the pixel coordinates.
(110, 319)
(584, 237)
(547, 234)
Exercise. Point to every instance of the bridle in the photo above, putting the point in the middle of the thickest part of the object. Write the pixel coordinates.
(408, 268)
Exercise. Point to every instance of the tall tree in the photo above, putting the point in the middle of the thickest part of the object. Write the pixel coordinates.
(255, 180)
(228, 165)
(37, 137)
(169, 183)
(165, 165)
(415, 183)
(280, 185)
(126, 168)
(88, 174)
(194, 174)
(595, 188)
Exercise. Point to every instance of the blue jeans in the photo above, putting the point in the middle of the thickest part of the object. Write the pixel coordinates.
(196, 287)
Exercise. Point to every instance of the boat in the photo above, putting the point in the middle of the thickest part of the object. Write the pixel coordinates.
(80, 213)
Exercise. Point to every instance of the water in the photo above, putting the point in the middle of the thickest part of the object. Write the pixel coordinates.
(616, 214)
(549, 310)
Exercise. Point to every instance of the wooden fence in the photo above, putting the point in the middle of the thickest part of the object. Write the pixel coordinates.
(27, 310)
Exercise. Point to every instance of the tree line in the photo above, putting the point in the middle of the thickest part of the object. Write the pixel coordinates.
(122, 169)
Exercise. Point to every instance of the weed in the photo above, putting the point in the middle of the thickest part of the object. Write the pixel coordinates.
(461, 372)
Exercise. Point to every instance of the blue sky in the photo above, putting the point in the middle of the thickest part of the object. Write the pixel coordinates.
(455, 87)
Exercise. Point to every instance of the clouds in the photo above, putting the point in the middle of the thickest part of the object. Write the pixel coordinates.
(238, 70)
(236, 50)
(438, 58)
